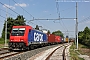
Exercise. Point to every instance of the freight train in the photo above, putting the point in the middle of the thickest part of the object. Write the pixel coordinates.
(26, 38)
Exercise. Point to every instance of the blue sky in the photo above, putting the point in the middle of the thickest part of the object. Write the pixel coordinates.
(46, 9)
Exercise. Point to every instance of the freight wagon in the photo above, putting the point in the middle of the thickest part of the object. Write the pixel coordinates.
(58, 39)
(51, 38)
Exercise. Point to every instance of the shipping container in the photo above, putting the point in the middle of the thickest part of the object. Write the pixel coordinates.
(51, 38)
(57, 39)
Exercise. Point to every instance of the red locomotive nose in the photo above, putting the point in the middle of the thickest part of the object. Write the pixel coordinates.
(17, 39)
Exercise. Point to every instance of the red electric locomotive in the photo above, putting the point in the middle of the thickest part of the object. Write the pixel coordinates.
(19, 37)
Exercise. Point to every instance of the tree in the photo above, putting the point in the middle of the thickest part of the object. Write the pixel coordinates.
(12, 22)
(58, 33)
(9, 26)
(19, 21)
(84, 36)
(80, 36)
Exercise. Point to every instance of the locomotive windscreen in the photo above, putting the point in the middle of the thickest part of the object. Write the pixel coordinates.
(18, 32)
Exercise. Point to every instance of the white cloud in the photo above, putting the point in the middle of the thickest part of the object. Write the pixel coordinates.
(5, 5)
(22, 4)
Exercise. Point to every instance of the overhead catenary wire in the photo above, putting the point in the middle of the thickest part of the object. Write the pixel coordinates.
(58, 12)
(26, 12)
(8, 12)
(86, 19)
(57, 7)
(2, 16)
(9, 8)
(23, 9)
(64, 25)
(45, 25)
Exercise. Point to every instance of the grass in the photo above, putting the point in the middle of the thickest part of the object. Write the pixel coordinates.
(84, 50)
(74, 54)
(2, 42)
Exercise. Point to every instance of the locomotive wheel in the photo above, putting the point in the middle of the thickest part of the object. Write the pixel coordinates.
(31, 47)
(27, 48)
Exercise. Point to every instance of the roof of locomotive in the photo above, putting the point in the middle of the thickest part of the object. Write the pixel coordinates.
(22, 26)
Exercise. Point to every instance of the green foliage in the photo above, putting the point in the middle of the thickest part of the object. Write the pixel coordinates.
(58, 33)
(12, 22)
(84, 36)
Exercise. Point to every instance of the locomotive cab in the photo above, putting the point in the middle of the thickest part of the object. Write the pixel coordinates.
(18, 37)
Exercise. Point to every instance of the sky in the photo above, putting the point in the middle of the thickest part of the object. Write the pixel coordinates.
(48, 9)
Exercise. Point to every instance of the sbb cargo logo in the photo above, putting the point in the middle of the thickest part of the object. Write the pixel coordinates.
(38, 37)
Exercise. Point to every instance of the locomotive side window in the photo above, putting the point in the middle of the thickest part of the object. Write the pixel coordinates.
(18, 32)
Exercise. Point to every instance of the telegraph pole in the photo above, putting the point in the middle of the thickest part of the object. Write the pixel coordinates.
(76, 27)
(6, 29)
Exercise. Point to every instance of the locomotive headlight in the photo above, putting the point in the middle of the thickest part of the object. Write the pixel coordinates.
(11, 40)
(22, 40)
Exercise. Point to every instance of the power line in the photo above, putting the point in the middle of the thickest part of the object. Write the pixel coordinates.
(8, 12)
(58, 12)
(57, 6)
(2, 16)
(64, 25)
(46, 25)
(23, 9)
(86, 19)
(28, 13)
(9, 8)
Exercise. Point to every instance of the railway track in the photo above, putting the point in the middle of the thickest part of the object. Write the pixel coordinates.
(1, 49)
(6, 55)
(4, 52)
(27, 55)
(56, 53)
(23, 55)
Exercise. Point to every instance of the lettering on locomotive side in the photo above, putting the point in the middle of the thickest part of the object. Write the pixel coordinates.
(38, 37)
